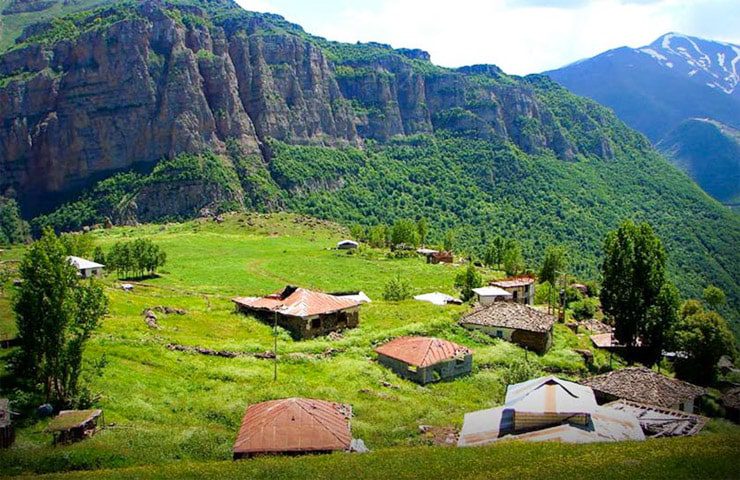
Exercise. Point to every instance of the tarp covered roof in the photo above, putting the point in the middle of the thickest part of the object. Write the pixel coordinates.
(436, 298)
(298, 302)
(294, 425)
(82, 263)
(550, 395)
(492, 292)
(422, 351)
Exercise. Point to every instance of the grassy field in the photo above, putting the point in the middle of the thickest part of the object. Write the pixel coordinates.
(163, 406)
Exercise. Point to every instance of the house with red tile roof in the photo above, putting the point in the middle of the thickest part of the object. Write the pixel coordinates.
(425, 359)
(304, 313)
(294, 426)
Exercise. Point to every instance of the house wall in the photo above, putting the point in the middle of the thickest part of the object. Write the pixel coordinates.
(7, 436)
(434, 373)
(487, 300)
(91, 272)
(524, 295)
(301, 328)
(535, 341)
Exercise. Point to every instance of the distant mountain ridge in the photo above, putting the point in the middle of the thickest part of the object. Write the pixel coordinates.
(656, 88)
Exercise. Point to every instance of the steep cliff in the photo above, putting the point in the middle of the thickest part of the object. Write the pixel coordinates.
(129, 84)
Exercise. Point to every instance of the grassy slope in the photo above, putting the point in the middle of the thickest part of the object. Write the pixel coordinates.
(170, 406)
(699, 457)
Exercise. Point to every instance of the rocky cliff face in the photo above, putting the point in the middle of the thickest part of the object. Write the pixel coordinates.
(139, 84)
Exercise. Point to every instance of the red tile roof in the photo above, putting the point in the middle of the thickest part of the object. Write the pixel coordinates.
(294, 425)
(513, 282)
(298, 302)
(422, 351)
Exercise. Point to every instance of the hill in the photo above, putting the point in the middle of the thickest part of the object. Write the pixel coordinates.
(710, 153)
(657, 87)
(172, 413)
(143, 111)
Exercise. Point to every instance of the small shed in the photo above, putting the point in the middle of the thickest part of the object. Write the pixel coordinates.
(7, 433)
(74, 425)
(440, 257)
(514, 322)
(426, 251)
(86, 268)
(521, 288)
(438, 298)
(347, 245)
(425, 359)
(294, 426)
(488, 295)
(304, 313)
(642, 385)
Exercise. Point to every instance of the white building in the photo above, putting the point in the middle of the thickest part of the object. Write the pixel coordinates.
(347, 245)
(86, 268)
(488, 295)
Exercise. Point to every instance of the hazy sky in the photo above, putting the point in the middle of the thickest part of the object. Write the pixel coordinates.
(520, 36)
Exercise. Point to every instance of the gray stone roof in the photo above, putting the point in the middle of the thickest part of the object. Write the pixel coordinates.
(510, 315)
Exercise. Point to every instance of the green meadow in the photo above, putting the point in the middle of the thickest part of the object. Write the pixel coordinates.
(163, 406)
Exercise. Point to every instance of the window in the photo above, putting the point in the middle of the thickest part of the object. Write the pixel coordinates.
(499, 334)
(315, 324)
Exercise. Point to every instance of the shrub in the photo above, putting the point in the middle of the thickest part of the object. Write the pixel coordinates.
(585, 308)
(397, 289)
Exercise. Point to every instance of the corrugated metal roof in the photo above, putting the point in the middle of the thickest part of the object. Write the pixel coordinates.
(436, 298)
(513, 282)
(82, 263)
(298, 302)
(294, 425)
(661, 422)
(550, 395)
(641, 384)
(422, 351)
(510, 315)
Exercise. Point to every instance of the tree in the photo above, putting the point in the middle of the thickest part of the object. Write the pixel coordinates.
(99, 255)
(714, 296)
(493, 254)
(633, 274)
(449, 241)
(422, 228)
(661, 320)
(13, 229)
(378, 236)
(705, 337)
(512, 258)
(55, 315)
(404, 232)
(553, 264)
(396, 289)
(466, 280)
(358, 232)
(77, 244)
(137, 258)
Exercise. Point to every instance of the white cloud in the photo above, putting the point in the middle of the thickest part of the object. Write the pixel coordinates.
(520, 36)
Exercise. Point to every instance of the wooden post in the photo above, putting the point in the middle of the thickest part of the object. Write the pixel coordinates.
(274, 348)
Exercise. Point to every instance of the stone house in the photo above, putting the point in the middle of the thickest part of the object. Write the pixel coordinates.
(7, 433)
(514, 322)
(424, 359)
(521, 288)
(304, 313)
(640, 384)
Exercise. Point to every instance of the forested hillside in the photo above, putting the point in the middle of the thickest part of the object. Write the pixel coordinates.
(146, 111)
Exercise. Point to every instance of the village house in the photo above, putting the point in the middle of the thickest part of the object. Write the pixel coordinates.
(424, 359)
(74, 425)
(304, 313)
(440, 257)
(7, 433)
(549, 408)
(86, 268)
(731, 402)
(521, 288)
(488, 295)
(294, 426)
(642, 385)
(347, 245)
(514, 322)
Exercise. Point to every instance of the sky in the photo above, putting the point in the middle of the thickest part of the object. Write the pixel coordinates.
(520, 36)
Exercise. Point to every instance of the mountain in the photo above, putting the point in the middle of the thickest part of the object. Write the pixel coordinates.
(148, 111)
(710, 153)
(657, 87)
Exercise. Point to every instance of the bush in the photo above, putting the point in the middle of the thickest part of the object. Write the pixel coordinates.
(396, 289)
(585, 308)
(520, 371)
